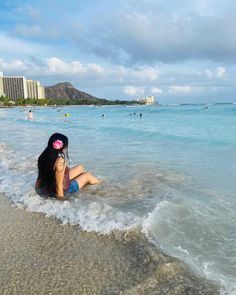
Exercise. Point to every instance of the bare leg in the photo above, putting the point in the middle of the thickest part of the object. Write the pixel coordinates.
(86, 178)
(76, 171)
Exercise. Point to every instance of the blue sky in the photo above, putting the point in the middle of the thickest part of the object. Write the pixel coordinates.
(179, 51)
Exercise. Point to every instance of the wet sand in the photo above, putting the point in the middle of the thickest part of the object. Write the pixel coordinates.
(38, 255)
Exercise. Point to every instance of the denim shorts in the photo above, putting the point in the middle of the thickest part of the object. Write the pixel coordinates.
(73, 187)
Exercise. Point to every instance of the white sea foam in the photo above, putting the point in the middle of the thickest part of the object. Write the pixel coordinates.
(162, 229)
(17, 182)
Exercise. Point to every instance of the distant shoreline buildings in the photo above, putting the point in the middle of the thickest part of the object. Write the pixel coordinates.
(148, 100)
(18, 87)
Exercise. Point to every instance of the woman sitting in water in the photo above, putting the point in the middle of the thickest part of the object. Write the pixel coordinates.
(55, 178)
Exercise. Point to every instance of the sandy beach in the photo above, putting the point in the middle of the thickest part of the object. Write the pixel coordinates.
(41, 256)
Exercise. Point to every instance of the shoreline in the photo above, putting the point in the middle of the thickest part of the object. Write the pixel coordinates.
(70, 105)
(40, 255)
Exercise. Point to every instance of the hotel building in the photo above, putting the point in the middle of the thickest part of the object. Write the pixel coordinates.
(34, 89)
(1, 84)
(16, 87)
(147, 100)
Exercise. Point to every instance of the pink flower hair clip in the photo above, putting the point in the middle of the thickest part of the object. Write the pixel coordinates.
(57, 144)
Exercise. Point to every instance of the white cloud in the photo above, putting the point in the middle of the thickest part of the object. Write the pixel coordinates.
(134, 91)
(146, 36)
(220, 71)
(180, 89)
(145, 74)
(144, 32)
(155, 90)
(59, 67)
(115, 73)
(13, 66)
(133, 82)
(54, 66)
(135, 75)
(96, 68)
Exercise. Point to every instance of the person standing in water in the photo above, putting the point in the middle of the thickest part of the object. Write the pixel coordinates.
(55, 178)
(30, 115)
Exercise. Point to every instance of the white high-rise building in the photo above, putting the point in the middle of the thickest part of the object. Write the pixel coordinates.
(32, 89)
(16, 87)
(41, 92)
(1, 84)
(147, 100)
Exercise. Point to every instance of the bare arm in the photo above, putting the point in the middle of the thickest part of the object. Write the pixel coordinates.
(59, 175)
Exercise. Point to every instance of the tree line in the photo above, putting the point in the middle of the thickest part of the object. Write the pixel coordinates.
(6, 101)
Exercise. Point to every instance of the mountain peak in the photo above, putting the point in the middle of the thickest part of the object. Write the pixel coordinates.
(65, 90)
(63, 84)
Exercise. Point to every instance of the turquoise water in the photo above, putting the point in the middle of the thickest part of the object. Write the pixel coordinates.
(171, 173)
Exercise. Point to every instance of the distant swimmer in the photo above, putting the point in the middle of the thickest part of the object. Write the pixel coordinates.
(140, 115)
(30, 115)
(103, 116)
(134, 113)
(67, 115)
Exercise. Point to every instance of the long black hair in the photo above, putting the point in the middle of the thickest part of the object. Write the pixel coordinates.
(57, 144)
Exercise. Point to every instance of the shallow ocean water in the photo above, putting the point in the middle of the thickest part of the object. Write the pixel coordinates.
(170, 173)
